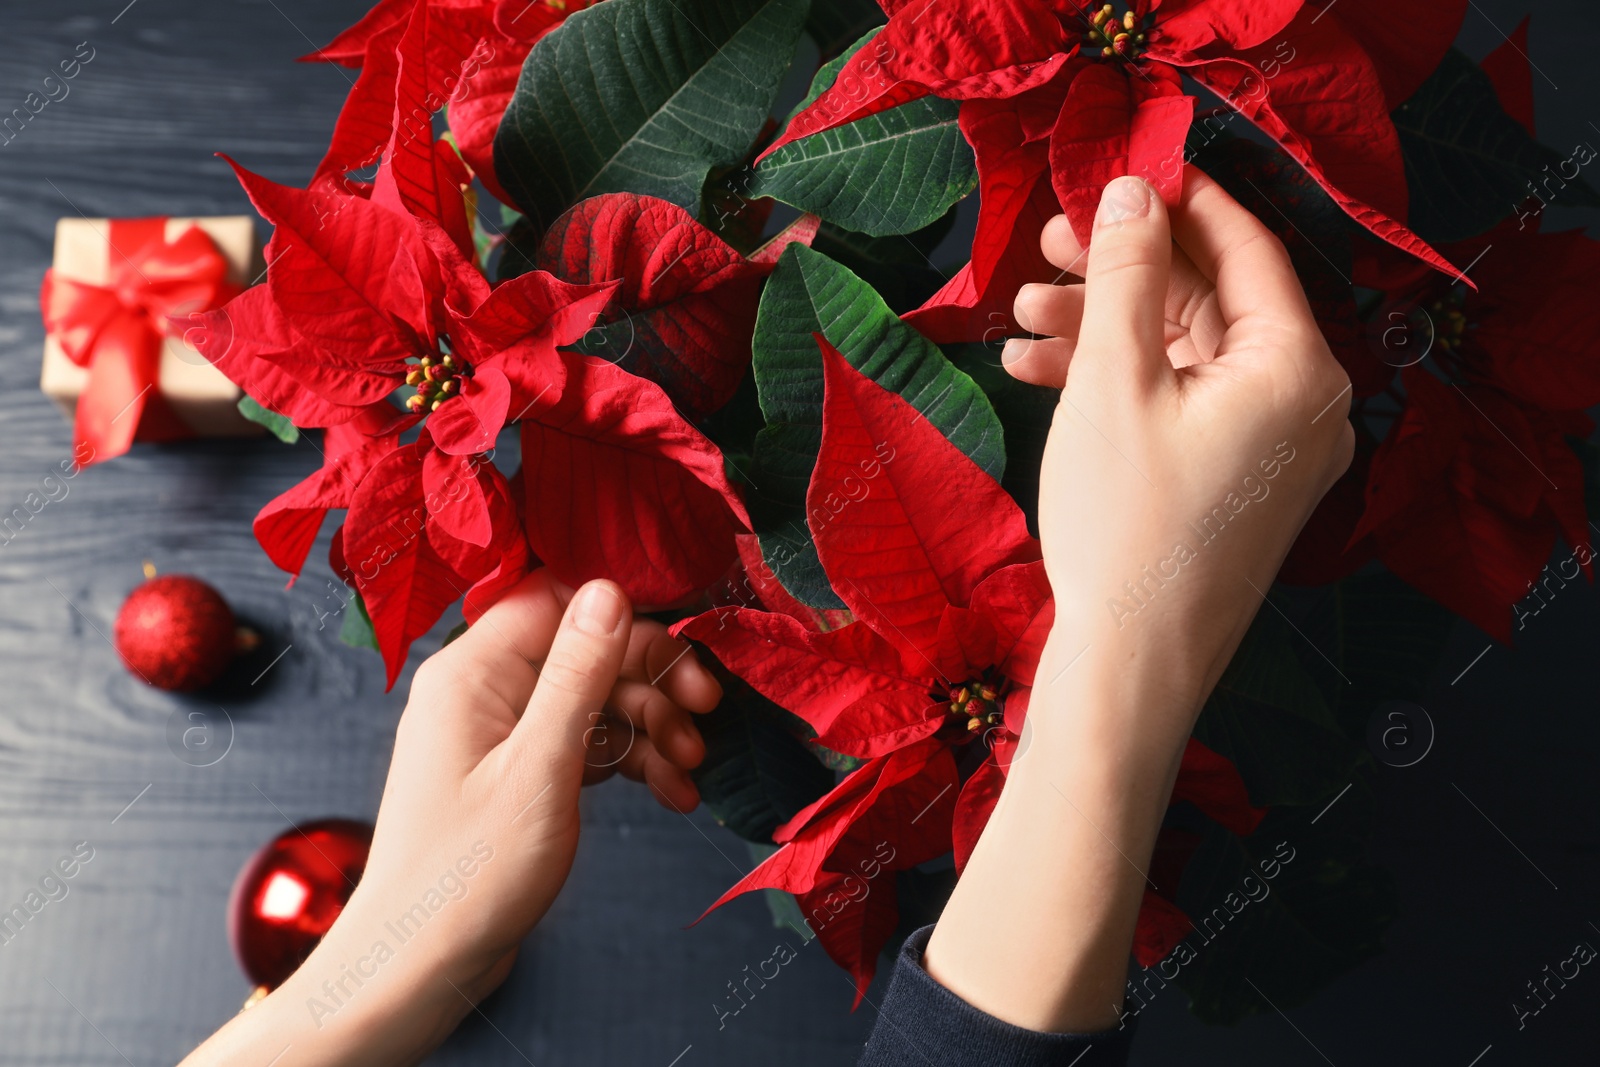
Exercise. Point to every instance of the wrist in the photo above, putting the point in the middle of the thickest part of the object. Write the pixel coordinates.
(362, 998)
(1068, 848)
(368, 975)
(1113, 694)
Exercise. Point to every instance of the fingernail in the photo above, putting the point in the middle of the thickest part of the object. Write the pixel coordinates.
(1014, 350)
(598, 610)
(1126, 198)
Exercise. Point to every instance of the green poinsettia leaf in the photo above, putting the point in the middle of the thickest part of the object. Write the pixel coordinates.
(836, 24)
(808, 294)
(1280, 914)
(281, 427)
(355, 629)
(1269, 716)
(757, 773)
(1026, 412)
(734, 427)
(642, 96)
(835, 761)
(899, 266)
(519, 248)
(1468, 163)
(889, 173)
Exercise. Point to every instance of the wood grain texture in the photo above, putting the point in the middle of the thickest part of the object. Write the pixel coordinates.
(138, 944)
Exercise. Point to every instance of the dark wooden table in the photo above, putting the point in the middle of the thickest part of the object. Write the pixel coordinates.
(132, 966)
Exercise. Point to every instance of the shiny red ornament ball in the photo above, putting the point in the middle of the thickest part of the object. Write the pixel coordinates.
(288, 894)
(176, 632)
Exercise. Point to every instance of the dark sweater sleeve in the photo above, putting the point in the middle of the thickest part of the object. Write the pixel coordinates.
(923, 1024)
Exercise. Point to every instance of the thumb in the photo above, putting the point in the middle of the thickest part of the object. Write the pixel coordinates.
(548, 742)
(1125, 285)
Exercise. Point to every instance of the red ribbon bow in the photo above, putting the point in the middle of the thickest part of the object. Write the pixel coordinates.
(117, 330)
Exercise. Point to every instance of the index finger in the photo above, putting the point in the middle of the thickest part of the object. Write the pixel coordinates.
(1252, 271)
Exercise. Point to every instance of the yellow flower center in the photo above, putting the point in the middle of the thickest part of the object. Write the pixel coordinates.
(436, 379)
(1115, 37)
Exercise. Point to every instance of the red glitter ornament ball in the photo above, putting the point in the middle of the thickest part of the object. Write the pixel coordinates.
(288, 894)
(176, 632)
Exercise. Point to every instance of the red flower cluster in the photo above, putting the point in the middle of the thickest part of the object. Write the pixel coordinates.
(633, 330)
(1465, 496)
(930, 682)
(1058, 98)
(374, 291)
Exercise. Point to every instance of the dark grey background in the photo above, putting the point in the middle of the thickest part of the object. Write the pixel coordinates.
(133, 966)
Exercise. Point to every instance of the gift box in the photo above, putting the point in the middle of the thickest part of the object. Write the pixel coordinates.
(117, 303)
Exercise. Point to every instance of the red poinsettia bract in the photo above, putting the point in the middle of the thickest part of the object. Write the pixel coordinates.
(365, 299)
(1475, 480)
(929, 684)
(676, 335)
(470, 55)
(684, 309)
(1059, 98)
(378, 306)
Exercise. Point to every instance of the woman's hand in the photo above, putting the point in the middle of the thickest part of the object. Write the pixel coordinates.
(548, 691)
(479, 820)
(1201, 419)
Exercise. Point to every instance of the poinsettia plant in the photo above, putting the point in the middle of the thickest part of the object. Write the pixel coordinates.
(731, 342)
